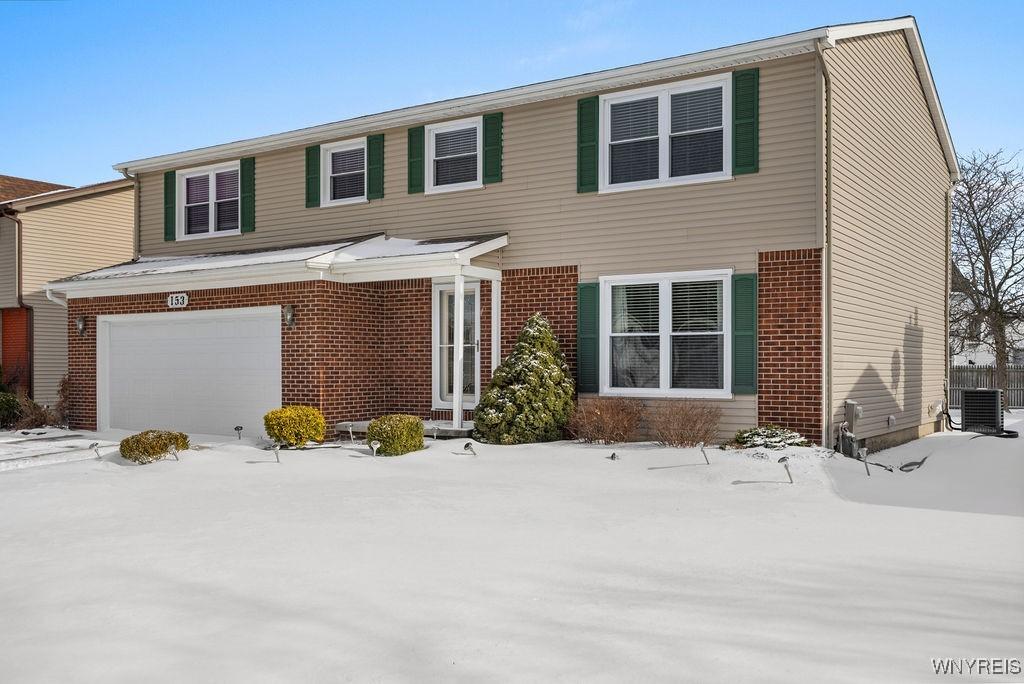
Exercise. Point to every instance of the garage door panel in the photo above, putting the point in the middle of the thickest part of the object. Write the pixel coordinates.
(202, 374)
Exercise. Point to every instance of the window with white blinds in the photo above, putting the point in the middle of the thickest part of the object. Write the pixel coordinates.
(209, 200)
(666, 334)
(454, 160)
(343, 172)
(666, 135)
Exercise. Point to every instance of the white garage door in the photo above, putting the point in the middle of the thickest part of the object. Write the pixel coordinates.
(201, 372)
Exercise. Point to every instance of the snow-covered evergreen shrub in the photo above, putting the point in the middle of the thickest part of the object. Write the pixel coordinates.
(397, 433)
(770, 437)
(295, 425)
(152, 445)
(606, 420)
(529, 398)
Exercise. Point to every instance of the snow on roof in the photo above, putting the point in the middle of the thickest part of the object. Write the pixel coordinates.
(376, 246)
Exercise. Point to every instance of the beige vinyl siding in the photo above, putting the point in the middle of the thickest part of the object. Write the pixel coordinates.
(889, 237)
(63, 239)
(8, 263)
(677, 228)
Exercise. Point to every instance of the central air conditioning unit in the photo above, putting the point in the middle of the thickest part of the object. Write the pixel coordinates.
(981, 410)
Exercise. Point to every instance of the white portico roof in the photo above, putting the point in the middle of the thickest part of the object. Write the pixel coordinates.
(363, 259)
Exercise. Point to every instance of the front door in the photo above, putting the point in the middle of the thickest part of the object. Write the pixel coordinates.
(444, 329)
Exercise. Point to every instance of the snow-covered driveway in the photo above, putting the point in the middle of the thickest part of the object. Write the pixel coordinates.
(523, 563)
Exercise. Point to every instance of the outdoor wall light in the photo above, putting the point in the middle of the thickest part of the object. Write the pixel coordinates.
(80, 325)
(289, 315)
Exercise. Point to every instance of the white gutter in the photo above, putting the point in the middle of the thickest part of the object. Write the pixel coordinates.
(55, 299)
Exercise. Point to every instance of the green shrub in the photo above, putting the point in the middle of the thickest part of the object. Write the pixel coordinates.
(397, 433)
(10, 409)
(295, 425)
(530, 395)
(770, 437)
(152, 445)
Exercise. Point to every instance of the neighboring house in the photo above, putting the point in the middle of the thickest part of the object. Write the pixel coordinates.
(762, 226)
(47, 232)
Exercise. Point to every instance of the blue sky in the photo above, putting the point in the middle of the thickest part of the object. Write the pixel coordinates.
(89, 84)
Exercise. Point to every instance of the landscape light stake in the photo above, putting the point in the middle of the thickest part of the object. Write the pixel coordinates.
(469, 448)
(785, 464)
(95, 446)
(863, 453)
(277, 452)
(375, 445)
(174, 452)
(701, 447)
(238, 430)
(435, 432)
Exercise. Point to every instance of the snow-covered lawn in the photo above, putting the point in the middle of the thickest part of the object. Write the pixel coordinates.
(521, 563)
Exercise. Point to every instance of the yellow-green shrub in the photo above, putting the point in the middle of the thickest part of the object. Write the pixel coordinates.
(295, 425)
(152, 445)
(397, 433)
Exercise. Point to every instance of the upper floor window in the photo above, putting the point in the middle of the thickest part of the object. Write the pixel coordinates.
(343, 176)
(666, 135)
(453, 158)
(209, 201)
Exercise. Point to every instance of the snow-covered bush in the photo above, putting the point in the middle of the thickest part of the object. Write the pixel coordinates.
(10, 409)
(770, 437)
(530, 395)
(295, 425)
(685, 423)
(152, 445)
(397, 433)
(606, 419)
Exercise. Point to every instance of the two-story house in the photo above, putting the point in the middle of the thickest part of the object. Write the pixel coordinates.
(50, 231)
(763, 226)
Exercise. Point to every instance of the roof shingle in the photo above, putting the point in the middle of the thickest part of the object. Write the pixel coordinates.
(12, 187)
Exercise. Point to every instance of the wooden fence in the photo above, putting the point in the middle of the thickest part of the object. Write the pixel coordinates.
(969, 377)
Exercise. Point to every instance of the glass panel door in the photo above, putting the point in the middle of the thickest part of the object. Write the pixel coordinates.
(446, 338)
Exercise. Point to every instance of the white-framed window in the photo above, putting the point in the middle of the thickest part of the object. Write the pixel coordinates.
(454, 155)
(443, 317)
(208, 201)
(343, 172)
(667, 135)
(667, 334)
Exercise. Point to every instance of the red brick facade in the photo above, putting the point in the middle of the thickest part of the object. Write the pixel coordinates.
(356, 351)
(15, 348)
(789, 340)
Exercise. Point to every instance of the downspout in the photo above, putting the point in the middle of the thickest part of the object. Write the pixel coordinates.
(826, 308)
(949, 261)
(136, 212)
(19, 231)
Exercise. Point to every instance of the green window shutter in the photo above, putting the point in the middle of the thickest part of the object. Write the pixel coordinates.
(247, 193)
(587, 336)
(745, 121)
(375, 166)
(416, 160)
(744, 333)
(312, 176)
(170, 206)
(586, 144)
(493, 124)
